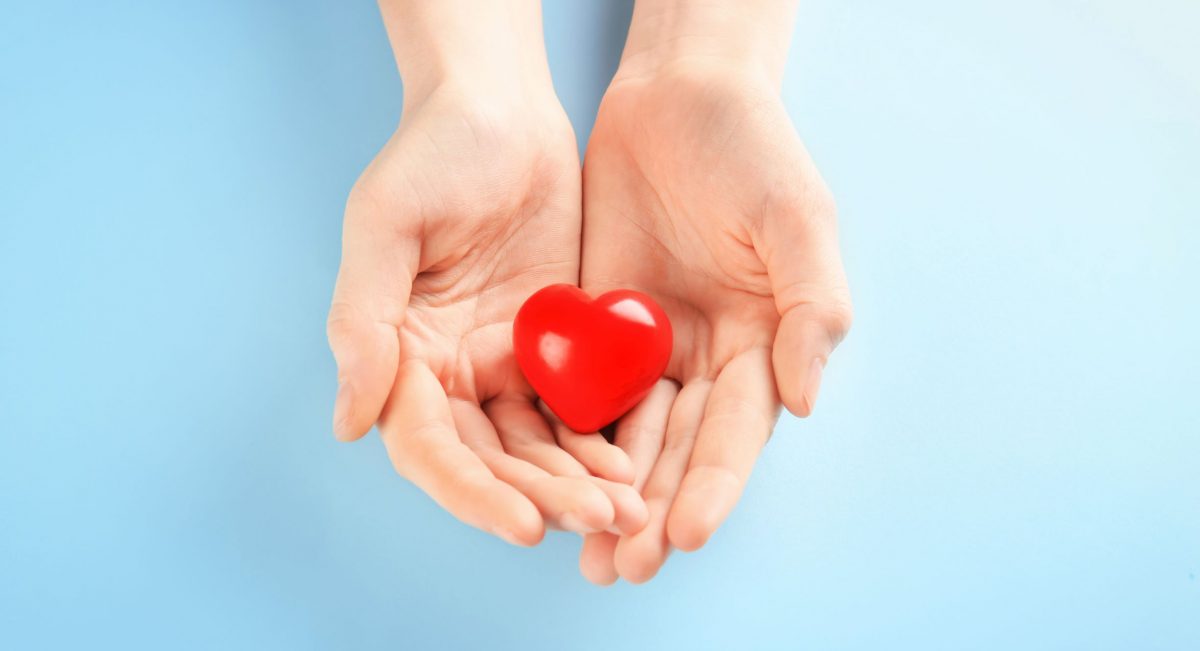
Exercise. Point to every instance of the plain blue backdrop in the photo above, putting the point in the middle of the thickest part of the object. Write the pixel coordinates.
(1007, 450)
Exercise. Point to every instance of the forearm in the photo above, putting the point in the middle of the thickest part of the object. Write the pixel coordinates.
(486, 46)
(750, 34)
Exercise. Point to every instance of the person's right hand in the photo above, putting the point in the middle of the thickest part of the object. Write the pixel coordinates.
(471, 206)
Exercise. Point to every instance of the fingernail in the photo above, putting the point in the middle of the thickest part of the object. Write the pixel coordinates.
(341, 412)
(572, 522)
(813, 385)
(508, 536)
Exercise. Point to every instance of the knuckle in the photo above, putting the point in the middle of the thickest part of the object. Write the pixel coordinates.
(419, 447)
(729, 406)
(679, 443)
(834, 316)
(378, 213)
(637, 431)
(343, 317)
(808, 202)
(838, 318)
(736, 409)
(823, 201)
(363, 196)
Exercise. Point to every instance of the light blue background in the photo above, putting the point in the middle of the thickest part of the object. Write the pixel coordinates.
(1007, 450)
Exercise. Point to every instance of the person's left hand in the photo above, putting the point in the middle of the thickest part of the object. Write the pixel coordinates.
(698, 192)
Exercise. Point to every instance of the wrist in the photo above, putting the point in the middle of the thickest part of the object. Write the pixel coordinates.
(505, 114)
(748, 38)
(492, 51)
(510, 92)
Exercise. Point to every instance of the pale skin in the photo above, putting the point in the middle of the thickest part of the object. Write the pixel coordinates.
(696, 190)
(473, 204)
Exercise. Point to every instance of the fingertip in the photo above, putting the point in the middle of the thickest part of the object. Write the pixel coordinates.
(516, 539)
(813, 385)
(685, 533)
(797, 406)
(596, 559)
(584, 509)
(631, 512)
(343, 415)
(802, 398)
(789, 378)
(636, 517)
(495, 506)
(367, 357)
(596, 512)
(640, 571)
(803, 343)
(601, 458)
(349, 437)
(524, 528)
(639, 558)
(637, 520)
(597, 578)
(705, 499)
(620, 467)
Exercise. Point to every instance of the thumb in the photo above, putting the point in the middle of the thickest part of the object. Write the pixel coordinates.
(811, 293)
(369, 301)
(806, 337)
(367, 352)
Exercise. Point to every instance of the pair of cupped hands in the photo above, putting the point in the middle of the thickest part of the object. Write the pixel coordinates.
(695, 190)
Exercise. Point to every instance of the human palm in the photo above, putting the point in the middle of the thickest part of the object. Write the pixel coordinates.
(699, 192)
(465, 212)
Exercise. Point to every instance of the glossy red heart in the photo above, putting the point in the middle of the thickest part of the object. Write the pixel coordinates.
(591, 360)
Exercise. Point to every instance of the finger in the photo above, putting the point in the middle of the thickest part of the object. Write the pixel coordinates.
(418, 430)
(801, 252)
(367, 352)
(629, 509)
(369, 300)
(525, 434)
(639, 557)
(641, 432)
(596, 558)
(738, 419)
(806, 337)
(601, 458)
(571, 503)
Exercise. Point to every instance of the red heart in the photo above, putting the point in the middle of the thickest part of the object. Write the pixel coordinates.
(591, 360)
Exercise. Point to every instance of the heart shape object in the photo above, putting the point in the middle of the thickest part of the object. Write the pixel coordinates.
(591, 360)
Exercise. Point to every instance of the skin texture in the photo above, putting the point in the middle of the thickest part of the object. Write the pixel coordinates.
(471, 206)
(699, 192)
(696, 190)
